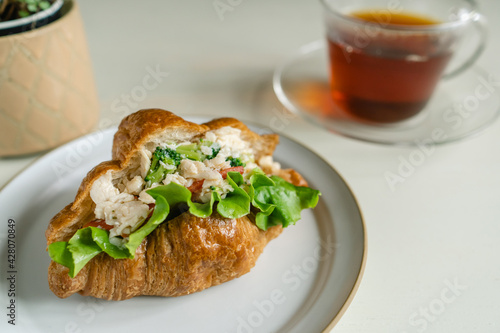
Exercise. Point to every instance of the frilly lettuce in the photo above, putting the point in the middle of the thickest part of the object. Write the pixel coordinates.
(277, 201)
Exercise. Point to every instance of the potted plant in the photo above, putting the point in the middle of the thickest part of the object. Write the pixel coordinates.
(47, 90)
(23, 15)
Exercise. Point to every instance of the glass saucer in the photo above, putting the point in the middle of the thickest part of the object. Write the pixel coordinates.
(460, 107)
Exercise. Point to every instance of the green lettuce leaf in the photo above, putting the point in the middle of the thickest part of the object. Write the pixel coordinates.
(85, 244)
(277, 201)
(174, 194)
(160, 213)
(236, 203)
(280, 202)
(88, 242)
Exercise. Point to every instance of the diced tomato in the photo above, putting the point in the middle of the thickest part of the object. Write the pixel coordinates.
(224, 172)
(196, 186)
(99, 223)
(151, 210)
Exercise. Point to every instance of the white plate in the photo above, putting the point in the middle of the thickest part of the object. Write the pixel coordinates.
(303, 282)
(460, 107)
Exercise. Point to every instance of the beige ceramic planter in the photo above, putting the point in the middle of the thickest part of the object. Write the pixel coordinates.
(47, 89)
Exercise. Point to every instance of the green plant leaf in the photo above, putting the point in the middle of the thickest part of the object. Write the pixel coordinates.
(32, 7)
(44, 5)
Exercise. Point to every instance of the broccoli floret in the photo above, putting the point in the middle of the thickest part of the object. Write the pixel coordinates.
(212, 145)
(168, 156)
(215, 149)
(234, 161)
(157, 171)
(191, 151)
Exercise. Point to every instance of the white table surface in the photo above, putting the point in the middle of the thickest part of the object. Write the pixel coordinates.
(433, 240)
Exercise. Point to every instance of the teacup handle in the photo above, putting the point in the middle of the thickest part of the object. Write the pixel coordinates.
(479, 23)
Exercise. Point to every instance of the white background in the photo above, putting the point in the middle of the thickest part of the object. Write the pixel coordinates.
(438, 228)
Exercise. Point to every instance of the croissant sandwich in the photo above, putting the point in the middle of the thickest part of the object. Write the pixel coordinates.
(180, 208)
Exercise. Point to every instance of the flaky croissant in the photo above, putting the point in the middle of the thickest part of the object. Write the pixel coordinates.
(183, 255)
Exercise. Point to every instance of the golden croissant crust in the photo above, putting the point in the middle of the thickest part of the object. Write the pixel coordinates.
(184, 255)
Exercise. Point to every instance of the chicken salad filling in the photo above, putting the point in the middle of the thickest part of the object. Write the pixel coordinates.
(201, 166)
